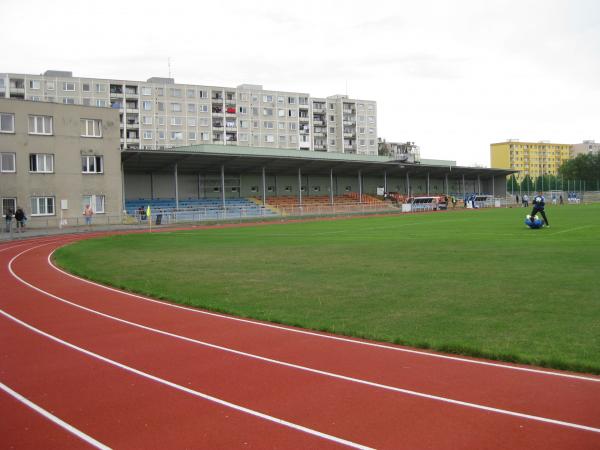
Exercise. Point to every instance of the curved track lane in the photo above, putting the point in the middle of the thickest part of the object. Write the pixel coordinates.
(123, 371)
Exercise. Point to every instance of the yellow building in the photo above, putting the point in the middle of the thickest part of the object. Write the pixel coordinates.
(529, 158)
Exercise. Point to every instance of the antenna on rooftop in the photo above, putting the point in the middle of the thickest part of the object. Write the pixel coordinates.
(169, 64)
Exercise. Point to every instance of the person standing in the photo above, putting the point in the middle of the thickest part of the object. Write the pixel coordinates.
(20, 218)
(525, 201)
(538, 207)
(8, 218)
(560, 200)
(88, 213)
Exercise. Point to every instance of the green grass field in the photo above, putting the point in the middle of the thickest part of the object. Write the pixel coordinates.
(477, 283)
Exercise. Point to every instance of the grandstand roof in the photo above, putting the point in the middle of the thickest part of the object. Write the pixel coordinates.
(210, 158)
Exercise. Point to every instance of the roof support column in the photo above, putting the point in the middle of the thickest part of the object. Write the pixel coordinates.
(176, 188)
(407, 185)
(331, 186)
(299, 186)
(122, 186)
(223, 185)
(151, 187)
(385, 189)
(493, 187)
(446, 183)
(264, 187)
(427, 183)
(359, 186)
(464, 192)
(478, 185)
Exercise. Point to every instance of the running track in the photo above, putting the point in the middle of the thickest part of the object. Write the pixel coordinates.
(86, 366)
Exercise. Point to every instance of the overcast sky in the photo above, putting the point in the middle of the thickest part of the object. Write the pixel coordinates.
(452, 76)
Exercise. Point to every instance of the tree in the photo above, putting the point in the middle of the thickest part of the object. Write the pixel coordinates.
(512, 185)
(585, 168)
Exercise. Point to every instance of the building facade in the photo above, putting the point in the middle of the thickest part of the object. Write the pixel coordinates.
(529, 158)
(55, 159)
(585, 148)
(160, 114)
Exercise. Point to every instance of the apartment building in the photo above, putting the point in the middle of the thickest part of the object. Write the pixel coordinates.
(160, 114)
(585, 148)
(55, 159)
(529, 158)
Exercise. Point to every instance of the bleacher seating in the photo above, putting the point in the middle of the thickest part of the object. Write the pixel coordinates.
(197, 209)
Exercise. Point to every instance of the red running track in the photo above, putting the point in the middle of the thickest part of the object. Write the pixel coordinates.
(84, 365)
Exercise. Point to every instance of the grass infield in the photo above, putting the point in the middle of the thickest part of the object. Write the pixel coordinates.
(477, 283)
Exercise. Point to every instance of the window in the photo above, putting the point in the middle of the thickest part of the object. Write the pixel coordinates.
(332, 118)
(100, 87)
(101, 103)
(243, 124)
(161, 106)
(202, 94)
(280, 99)
(267, 98)
(192, 135)
(68, 86)
(147, 105)
(176, 136)
(292, 113)
(281, 125)
(292, 100)
(204, 121)
(146, 120)
(50, 85)
(204, 136)
(243, 110)
(175, 92)
(91, 128)
(243, 137)
(7, 123)
(95, 201)
(191, 107)
(34, 84)
(268, 111)
(92, 164)
(147, 134)
(160, 91)
(176, 120)
(42, 206)
(268, 125)
(161, 121)
(68, 100)
(85, 87)
(331, 106)
(85, 101)
(282, 139)
(7, 162)
(202, 108)
(146, 90)
(269, 138)
(190, 93)
(41, 163)
(161, 135)
(40, 125)
(293, 126)
(191, 122)
(281, 113)
(176, 107)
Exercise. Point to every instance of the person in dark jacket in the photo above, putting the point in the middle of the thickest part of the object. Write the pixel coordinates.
(20, 218)
(539, 203)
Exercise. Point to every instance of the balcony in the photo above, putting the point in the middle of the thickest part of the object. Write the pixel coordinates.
(318, 110)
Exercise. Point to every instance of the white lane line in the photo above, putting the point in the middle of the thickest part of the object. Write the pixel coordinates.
(304, 368)
(572, 229)
(61, 423)
(323, 336)
(187, 390)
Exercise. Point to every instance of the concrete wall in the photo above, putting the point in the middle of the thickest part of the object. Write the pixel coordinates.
(67, 181)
